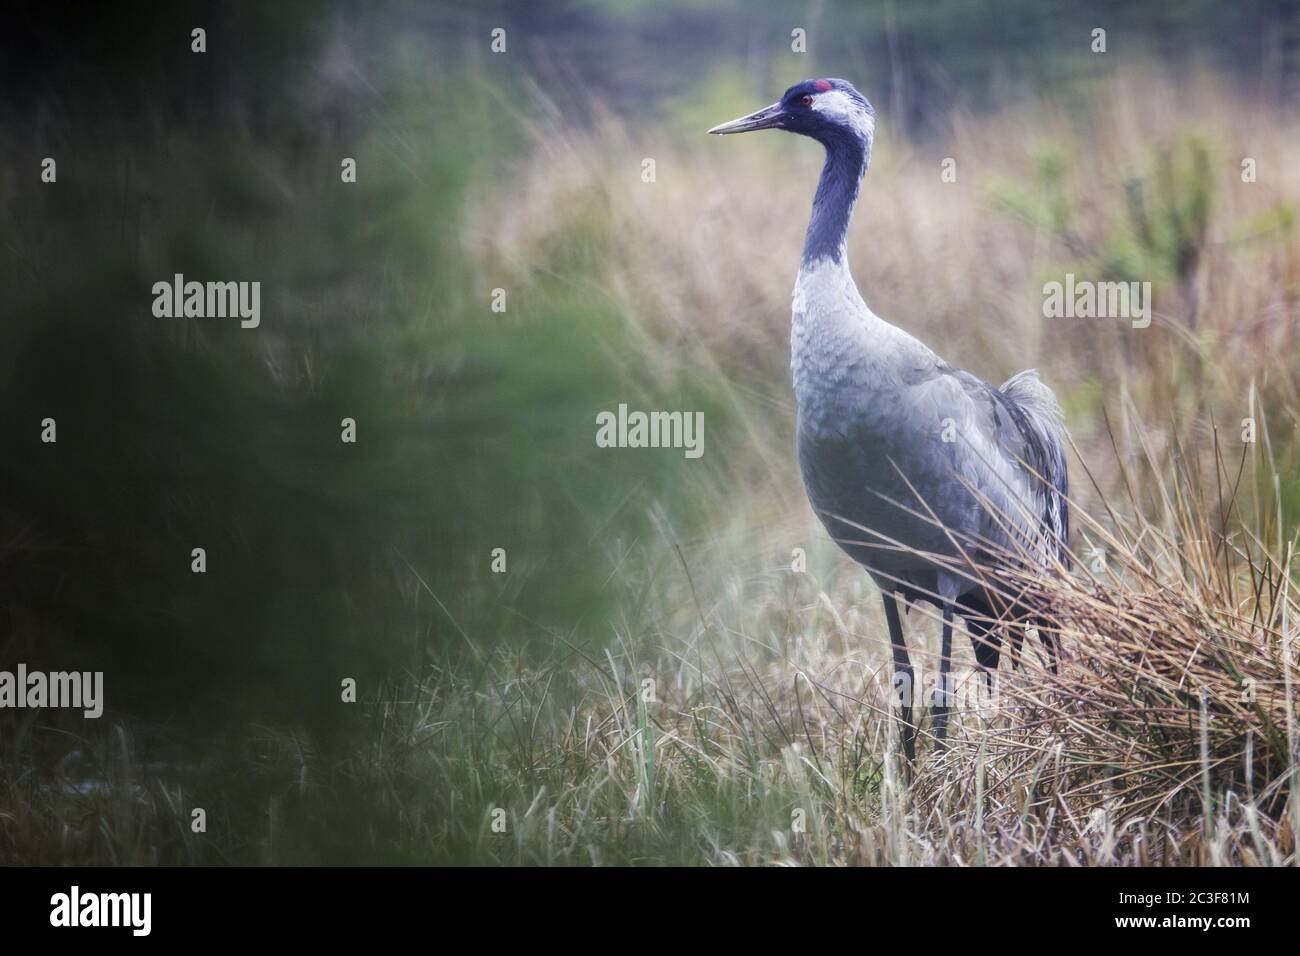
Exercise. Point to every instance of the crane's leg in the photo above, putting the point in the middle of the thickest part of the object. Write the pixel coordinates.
(988, 647)
(1050, 643)
(1015, 637)
(943, 691)
(904, 678)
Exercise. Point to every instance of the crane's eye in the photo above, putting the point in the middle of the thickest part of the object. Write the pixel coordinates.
(806, 100)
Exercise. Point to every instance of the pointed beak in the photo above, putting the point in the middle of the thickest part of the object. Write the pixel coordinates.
(769, 117)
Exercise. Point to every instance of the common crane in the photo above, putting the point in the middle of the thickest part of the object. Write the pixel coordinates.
(925, 475)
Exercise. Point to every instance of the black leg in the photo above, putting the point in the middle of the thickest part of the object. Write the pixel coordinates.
(943, 692)
(1049, 640)
(904, 679)
(1015, 637)
(988, 647)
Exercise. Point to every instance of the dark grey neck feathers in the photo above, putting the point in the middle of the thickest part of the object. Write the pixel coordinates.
(846, 162)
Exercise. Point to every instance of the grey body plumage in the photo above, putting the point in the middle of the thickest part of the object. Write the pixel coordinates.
(917, 469)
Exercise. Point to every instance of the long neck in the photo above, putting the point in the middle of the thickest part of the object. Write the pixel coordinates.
(846, 162)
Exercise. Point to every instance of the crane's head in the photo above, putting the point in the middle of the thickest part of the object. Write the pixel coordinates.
(826, 110)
